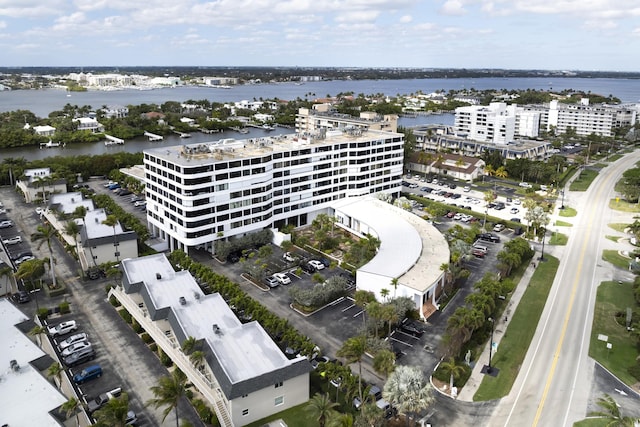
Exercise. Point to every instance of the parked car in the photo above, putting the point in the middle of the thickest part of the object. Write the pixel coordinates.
(73, 348)
(409, 327)
(140, 203)
(21, 254)
(282, 278)
(131, 418)
(307, 268)
(23, 259)
(102, 399)
(12, 240)
(466, 188)
(39, 211)
(316, 264)
(489, 237)
(514, 210)
(63, 328)
(87, 374)
(79, 357)
(6, 223)
(498, 228)
(288, 256)
(124, 192)
(272, 282)
(72, 340)
(515, 219)
(373, 395)
(21, 297)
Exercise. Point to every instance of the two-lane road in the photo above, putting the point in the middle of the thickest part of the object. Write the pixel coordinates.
(553, 386)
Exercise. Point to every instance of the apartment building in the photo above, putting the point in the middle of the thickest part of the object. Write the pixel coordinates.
(322, 116)
(495, 123)
(199, 193)
(39, 184)
(244, 376)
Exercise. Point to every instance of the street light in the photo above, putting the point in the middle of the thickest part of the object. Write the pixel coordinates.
(562, 193)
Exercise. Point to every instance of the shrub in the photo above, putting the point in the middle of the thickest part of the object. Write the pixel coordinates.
(64, 307)
(108, 287)
(164, 359)
(125, 315)
(635, 371)
(43, 313)
(137, 328)
(114, 301)
(153, 347)
(146, 338)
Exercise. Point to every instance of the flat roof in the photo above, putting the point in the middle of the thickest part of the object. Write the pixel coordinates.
(411, 249)
(244, 351)
(230, 149)
(27, 396)
(70, 201)
(94, 226)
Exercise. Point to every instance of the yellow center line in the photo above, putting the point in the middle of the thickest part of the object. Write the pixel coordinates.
(567, 316)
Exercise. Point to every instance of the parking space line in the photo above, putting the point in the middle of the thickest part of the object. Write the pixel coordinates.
(358, 314)
(348, 308)
(401, 342)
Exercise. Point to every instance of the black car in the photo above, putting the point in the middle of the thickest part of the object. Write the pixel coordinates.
(409, 327)
(489, 237)
(21, 297)
(233, 257)
(307, 268)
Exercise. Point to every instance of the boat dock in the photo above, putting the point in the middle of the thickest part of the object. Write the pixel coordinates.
(241, 130)
(153, 136)
(182, 134)
(112, 140)
(50, 144)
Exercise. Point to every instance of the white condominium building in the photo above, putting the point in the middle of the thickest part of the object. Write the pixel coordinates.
(585, 119)
(200, 193)
(495, 123)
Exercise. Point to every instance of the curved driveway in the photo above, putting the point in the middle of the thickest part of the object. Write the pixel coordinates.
(555, 381)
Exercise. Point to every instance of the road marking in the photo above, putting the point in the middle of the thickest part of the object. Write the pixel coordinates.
(565, 325)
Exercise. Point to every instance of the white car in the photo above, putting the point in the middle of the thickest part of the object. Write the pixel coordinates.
(457, 216)
(39, 210)
(516, 201)
(514, 210)
(3, 210)
(63, 328)
(81, 345)
(12, 240)
(288, 256)
(466, 188)
(72, 340)
(498, 228)
(316, 264)
(282, 278)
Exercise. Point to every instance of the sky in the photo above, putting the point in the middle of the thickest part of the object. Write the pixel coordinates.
(583, 35)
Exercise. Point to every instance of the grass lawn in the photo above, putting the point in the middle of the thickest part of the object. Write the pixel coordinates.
(567, 212)
(600, 165)
(591, 422)
(517, 338)
(558, 239)
(586, 178)
(615, 258)
(295, 416)
(618, 226)
(611, 298)
(563, 224)
(613, 238)
(614, 157)
(623, 205)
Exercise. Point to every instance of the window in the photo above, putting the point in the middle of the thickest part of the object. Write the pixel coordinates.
(279, 384)
(245, 412)
(279, 401)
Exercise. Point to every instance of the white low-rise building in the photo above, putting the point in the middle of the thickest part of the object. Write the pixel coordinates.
(44, 130)
(89, 124)
(102, 243)
(244, 376)
(410, 255)
(39, 184)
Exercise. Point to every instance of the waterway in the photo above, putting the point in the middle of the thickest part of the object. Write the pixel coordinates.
(43, 102)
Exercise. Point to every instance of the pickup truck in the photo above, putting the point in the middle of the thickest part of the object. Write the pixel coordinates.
(100, 401)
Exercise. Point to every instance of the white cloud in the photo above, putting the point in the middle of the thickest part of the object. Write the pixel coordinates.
(3, 25)
(453, 7)
(406, 19)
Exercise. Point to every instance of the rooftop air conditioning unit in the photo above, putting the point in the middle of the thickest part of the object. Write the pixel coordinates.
(158, 276)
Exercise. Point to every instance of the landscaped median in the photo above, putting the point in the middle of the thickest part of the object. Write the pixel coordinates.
(517, 338)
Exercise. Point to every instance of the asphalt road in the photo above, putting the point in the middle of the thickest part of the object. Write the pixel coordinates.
(555, 384)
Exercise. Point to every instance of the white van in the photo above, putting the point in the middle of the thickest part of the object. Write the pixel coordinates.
(480, 247)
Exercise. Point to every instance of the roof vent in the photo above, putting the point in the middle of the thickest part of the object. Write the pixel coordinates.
(183, 301)
(216, 329)
(14, 365)
(196, 296)
(96, 220)
(158, 276)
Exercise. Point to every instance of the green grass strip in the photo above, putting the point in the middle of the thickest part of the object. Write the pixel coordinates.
(618, 204)
(615, 258)
(517, 338)
(586, 178)
(567, 212)
(558, 239)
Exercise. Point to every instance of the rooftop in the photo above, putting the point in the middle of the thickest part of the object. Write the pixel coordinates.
(229, 149)
(95, 228)
(410, 248)
(244, 351)
(68, 202)
(24, 391)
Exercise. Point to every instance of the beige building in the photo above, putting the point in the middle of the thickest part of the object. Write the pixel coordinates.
(322, 117)
(244, 376)
(101, 243)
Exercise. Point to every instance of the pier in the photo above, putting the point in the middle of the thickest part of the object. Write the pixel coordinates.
(50, 144)
(112, 140)
(153, 136)
(182, 134)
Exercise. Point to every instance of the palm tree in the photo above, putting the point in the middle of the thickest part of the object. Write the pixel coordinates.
(55, 371)
(189, 344)
(197, 357)
(72, 229)
(384, 362)
(70, 407)
(353, 349)
(7, 273)
(112, 221)
(341, 420)
(501, 172)
(453, 369)
(407, 390)
(44, 234)
(361, 299)
(114, 413)
(168, 393)
(384, 292)
(394, 283)
(38, 331)
(611, 413)
(321, 408)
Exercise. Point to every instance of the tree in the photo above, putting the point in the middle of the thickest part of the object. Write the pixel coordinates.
(361, 299)
(168, 393)
(197, 357)
(384, 293)
(353, 349)
(384, 362)
(341, 420)
(611, 413)
(38, 331)
(454, 370)
(394, 283)
(407, 390)
(112, 221)
(70, 408)
(321, 408)
(55, 371)
(44, 234)
(7, 272)
(114, 413)
(72, 229)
